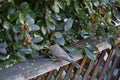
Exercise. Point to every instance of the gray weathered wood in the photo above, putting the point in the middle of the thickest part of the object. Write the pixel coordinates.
(35, 67)
(38, 66)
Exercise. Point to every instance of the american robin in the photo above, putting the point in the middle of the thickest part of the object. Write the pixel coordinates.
(59, 53)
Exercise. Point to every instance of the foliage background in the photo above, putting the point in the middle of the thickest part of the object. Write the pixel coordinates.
(27, 25)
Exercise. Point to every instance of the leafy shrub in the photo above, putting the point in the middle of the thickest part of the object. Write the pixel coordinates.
(25, 27)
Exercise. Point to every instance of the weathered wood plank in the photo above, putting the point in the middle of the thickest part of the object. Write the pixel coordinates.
(35, 67)
(39, 66)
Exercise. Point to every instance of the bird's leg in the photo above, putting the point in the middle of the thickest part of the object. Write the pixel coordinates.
(54, 58)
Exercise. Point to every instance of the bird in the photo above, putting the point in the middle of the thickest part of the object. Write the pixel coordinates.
(60, 53)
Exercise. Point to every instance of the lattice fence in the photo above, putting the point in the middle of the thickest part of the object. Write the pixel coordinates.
(104, 68)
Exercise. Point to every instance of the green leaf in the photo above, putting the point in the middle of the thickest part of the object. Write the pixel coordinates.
(3, 47)
(37, 47)
(58, 34)
(36, 8)
(111, 41)
(96, 3)
(3, 50)
(71, 50)
(83, 14)
(68, 2)
(37, 39)
(16, 29)
(11, 11)
(21, 57)
(89, 7)
(24, 6)
(89, 53)
(26, 50)
(61, 41)
(92, 47)
(6, 25)
(43, 30)
(0, 21)
(68, 24)
(9, 36)
(31, 13)
(112, 30)
(116, 13)
(40, 22)
(13, 16)
(61, 5)
(29, 20)
(17, 22)
(5, 57)
(76, 6)
(35, 27)
(56, 7)
(56, 16)
(50, 25)
(16, 37)
(117, 51)
(21, 18)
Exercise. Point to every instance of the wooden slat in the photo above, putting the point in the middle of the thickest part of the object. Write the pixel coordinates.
(86, 76)
(41, 77)
(106, 65)
(69, 72)
(80, 69)
(49, 75)
(117, 77)
(110, 73)
(58, 76)
(98, 64)
(55, 72)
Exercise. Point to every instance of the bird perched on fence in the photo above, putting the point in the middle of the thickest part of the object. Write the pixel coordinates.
(59, 53)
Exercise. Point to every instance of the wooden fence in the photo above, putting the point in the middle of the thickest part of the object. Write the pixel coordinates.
(106, 67)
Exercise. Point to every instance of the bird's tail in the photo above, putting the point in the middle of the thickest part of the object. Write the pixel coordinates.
(75, 64)
(70, 60)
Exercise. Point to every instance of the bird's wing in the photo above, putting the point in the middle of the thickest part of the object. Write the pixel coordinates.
(70, 60)
(67, 58)
(70, 55)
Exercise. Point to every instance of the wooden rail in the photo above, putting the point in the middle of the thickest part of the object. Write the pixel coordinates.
(35, 67)
(41, 65)
(106, 67)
